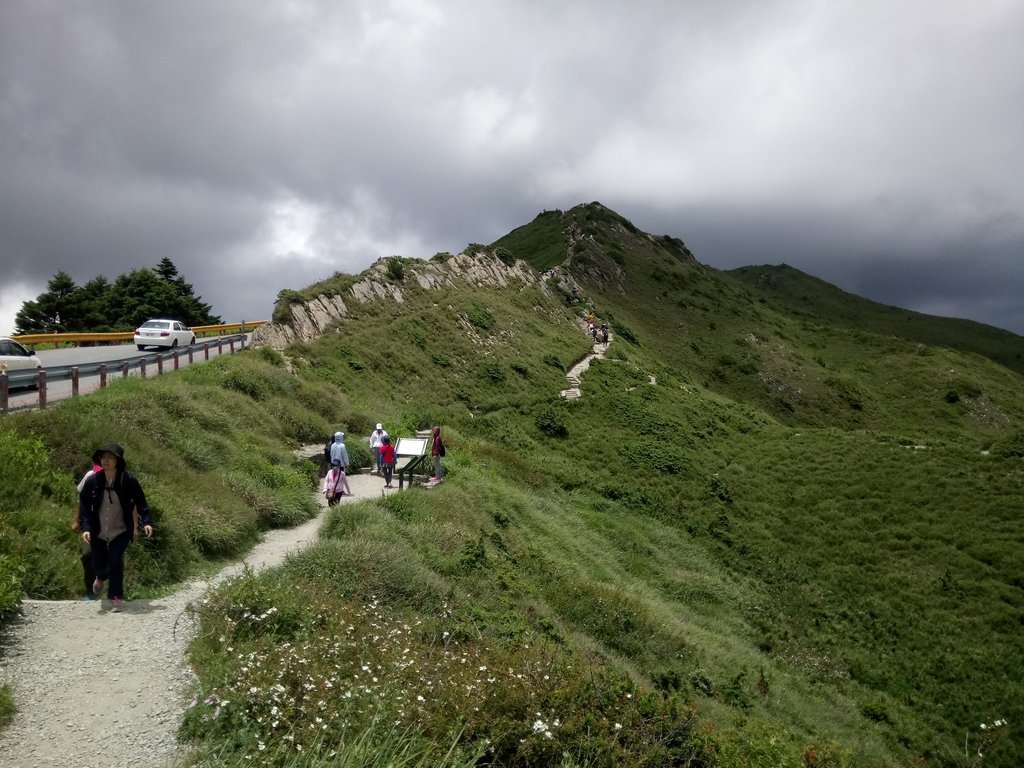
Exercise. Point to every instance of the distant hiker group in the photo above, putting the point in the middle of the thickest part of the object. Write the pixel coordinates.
(112, 507)
(383, 461)
(597, 334)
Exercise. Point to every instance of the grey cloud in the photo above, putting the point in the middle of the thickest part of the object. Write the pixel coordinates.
(972, 276)
(294, 139)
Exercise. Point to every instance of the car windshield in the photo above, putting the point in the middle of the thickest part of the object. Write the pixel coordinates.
(13, 349)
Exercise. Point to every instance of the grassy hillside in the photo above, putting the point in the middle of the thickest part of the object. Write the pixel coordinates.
(760, 538)
(801, 295)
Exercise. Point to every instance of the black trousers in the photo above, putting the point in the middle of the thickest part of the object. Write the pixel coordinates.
(88, 572)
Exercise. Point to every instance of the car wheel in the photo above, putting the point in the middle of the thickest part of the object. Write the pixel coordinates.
(174, 343)
(193, 340)
(141, 347)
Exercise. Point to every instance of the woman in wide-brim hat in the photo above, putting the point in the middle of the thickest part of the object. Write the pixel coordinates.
(107, 505)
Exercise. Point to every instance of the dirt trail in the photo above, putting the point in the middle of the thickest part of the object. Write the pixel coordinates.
(96, 689)
(577, 371)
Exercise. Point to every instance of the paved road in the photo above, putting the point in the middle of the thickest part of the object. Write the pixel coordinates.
(60, 388)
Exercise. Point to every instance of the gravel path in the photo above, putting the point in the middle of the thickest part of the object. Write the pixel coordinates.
(96, 689)
(576, 372)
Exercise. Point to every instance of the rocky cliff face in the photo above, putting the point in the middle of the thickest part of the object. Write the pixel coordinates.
(323, 314)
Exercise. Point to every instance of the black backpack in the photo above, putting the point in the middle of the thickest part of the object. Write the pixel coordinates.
(327, 449)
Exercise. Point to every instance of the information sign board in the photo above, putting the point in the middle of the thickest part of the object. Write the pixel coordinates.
(411, 446)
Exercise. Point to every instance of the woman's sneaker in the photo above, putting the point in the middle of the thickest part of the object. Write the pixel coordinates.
(115, 604)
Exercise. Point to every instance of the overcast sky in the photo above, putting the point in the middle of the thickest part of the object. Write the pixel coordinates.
(877, 144)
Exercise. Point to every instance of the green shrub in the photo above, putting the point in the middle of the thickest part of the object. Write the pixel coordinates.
(554, 362)
(481, 317)
(275, 503)
(358, 454)
(11, 573)
(620, 330)
(7, 708)
(271, 356)
(300, 423)
(26, 472)
(1010, 446)
(551, 423)
(396, 269)
(253, 377)
(492, 372)
(286, 298)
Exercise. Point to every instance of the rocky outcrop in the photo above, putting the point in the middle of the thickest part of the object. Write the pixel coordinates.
(325, 313)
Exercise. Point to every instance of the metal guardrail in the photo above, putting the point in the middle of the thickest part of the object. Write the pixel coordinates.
(117, 337)
(39, 379)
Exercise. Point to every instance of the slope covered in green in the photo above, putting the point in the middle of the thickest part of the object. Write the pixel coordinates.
(760, 538)
(801, 295)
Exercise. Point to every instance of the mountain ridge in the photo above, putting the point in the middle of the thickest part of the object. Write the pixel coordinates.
(858, 486)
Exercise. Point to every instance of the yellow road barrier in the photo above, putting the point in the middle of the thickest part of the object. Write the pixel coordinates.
(118, 337)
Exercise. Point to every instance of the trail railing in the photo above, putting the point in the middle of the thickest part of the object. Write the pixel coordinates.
(98, 374)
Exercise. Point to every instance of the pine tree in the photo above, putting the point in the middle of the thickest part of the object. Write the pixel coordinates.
(57, 310)
(132, 299)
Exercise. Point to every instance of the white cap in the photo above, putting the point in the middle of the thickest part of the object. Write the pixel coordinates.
(380, 426)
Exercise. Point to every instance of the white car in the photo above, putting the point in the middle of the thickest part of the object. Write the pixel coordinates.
(163, 333)
(14, 357)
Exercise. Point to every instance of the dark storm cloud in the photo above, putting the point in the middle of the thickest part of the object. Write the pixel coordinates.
(976, 276)
(265, 146)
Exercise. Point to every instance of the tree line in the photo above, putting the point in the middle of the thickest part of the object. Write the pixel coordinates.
(102, 306)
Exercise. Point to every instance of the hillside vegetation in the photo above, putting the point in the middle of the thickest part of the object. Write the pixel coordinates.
(776, 530)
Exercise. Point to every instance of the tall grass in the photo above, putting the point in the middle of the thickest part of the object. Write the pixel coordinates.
(211, 453)
(376, 745)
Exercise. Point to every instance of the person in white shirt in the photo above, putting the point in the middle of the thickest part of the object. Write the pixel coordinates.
(376, 438)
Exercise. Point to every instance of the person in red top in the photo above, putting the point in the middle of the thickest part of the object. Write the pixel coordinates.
(387, 459)
(436, 451)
